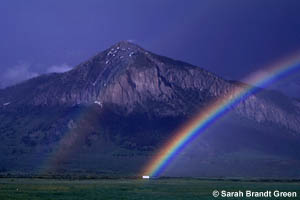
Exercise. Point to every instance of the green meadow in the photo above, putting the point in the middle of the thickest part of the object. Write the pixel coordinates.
(106, 189)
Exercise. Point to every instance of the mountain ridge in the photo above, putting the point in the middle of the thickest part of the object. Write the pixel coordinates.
(127, 75)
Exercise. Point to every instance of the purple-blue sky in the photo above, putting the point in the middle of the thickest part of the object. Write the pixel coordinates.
(231, 38)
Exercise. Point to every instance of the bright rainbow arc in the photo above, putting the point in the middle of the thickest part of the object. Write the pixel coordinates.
(200, 122)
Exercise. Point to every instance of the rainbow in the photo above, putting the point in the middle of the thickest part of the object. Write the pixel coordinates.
(189, 131)
(71, 141)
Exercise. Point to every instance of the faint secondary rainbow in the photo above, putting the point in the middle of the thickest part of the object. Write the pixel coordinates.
(72, 140)
(207, 116)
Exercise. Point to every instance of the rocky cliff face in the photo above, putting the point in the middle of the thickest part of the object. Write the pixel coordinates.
(127, 97)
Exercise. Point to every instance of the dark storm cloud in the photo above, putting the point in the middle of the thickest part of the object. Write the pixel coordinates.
(230, 38)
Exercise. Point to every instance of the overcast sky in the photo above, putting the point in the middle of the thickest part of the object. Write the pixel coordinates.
(231, 38)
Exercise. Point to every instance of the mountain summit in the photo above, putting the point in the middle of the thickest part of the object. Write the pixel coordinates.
(124, 74)
(127, 99)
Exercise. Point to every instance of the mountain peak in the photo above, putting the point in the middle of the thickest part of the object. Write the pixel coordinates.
(121, 53)
(125, 75)
(125, 45)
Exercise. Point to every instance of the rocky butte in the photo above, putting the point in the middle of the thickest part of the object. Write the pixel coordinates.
(109, 114)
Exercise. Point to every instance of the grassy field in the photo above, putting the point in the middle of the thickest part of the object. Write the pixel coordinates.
(166, 189)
